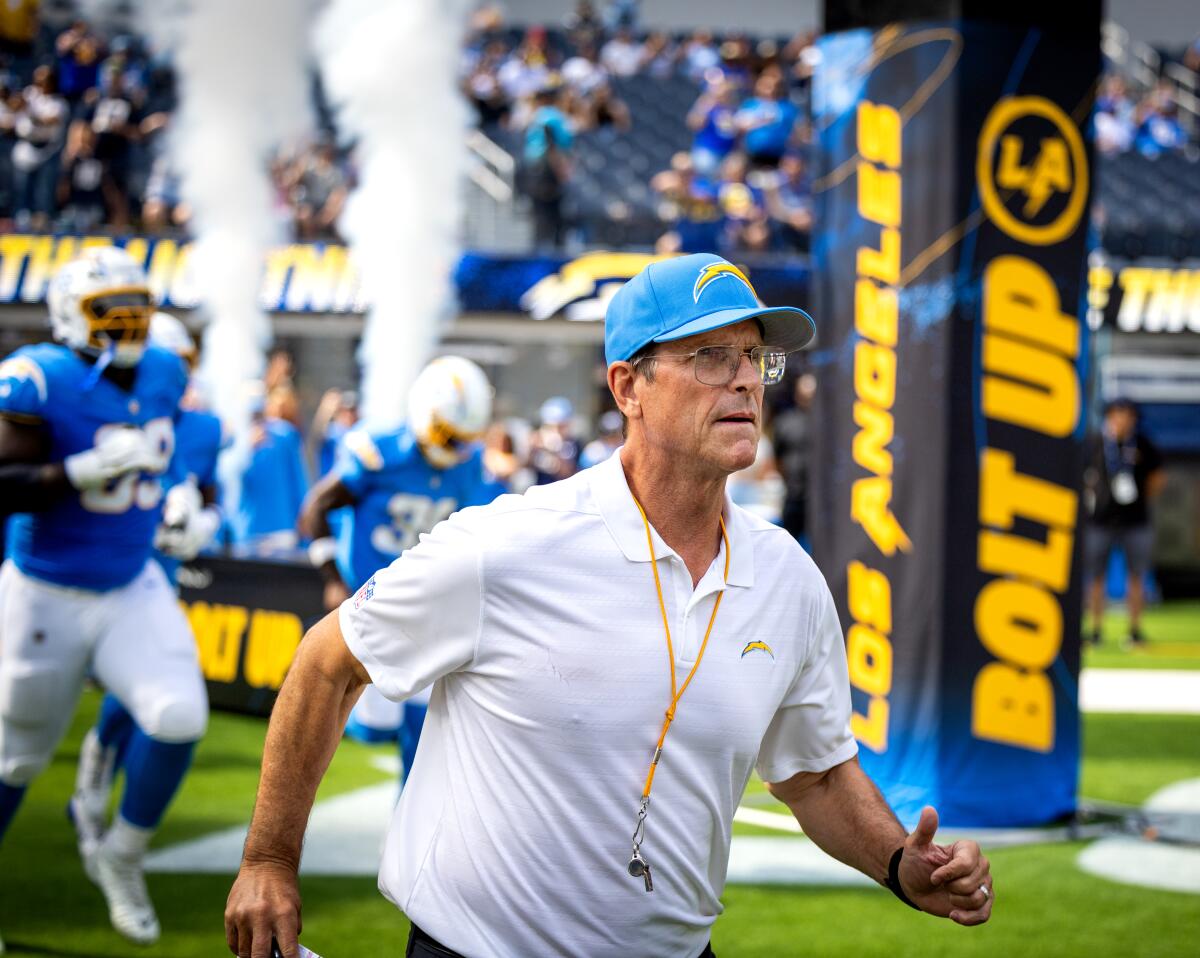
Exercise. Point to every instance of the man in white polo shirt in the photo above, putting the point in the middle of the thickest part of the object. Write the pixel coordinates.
(612, 655)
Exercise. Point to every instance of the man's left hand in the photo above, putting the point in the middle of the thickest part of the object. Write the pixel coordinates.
(952, 881)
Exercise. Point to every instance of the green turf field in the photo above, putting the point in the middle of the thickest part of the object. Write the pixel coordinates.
(1046, 905)
(1172, 635)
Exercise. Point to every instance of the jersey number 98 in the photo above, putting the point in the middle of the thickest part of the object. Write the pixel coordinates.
(140, 489)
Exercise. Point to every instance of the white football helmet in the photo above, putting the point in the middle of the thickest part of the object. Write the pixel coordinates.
(170, 334)
(101, 302)
(449, 407)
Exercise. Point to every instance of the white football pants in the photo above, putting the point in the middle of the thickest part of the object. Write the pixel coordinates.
(135, 640)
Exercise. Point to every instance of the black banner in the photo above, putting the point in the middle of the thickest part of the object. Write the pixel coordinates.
(248, 617)
(953, 187)
(1147, 297)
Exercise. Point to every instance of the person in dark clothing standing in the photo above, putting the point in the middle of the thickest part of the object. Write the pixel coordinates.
(792, 439)
(1124, 473)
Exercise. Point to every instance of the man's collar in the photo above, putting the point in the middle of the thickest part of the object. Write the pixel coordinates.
(610, 489)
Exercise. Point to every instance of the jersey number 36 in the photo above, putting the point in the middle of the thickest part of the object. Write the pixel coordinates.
(140, 489)
(411, 515)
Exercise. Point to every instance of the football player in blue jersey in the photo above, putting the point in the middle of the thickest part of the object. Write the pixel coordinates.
(398, 485)
(190, 522)
(86, 436)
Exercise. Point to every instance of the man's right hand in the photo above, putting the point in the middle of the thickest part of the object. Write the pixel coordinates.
(264, 904)
(117, 451)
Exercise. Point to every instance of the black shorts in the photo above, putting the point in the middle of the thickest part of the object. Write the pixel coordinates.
(1137, 542)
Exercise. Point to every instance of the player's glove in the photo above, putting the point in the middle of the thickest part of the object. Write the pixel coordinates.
(118, 451)
(187, 526)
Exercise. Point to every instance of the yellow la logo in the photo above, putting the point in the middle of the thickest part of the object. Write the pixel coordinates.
(1060, 167)
(1048, 174)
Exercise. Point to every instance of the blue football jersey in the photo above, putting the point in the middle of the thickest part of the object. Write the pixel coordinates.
(198, 440)
(99, 538)
(398, 495)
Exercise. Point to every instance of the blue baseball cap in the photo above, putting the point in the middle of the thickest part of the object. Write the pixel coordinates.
(674, 298)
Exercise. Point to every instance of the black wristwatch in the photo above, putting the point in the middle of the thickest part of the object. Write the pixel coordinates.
(893, 879)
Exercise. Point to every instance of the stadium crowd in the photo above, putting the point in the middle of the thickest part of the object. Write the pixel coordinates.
(85, 120)
(1149, 125)
(742, 185)
(84, 126)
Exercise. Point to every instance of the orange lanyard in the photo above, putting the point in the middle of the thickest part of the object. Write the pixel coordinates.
(676, 694)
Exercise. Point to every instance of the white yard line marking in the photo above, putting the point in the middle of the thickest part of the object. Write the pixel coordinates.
(1149, 691)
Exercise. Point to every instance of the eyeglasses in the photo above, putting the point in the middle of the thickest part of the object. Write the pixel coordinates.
(717, 365)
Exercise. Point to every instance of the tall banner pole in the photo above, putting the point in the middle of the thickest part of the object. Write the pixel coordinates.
(953, 187)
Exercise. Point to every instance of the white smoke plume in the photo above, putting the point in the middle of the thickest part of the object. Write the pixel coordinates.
(242, 70)
(390, 71)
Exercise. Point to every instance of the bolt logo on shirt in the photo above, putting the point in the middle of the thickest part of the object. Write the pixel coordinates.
(756, 647)
(715, 271)
(23, 368)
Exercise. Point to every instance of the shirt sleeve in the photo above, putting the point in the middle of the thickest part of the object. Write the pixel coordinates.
(23, 391)
(418, 619)
(811, 730)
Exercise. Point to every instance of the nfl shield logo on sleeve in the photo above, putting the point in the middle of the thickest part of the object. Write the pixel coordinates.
(363, 595)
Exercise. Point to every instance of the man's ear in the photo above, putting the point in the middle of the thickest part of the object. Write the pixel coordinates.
(623, 383)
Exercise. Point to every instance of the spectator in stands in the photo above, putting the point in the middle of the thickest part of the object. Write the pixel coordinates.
(713, 122)
(803, 55)
(546, 166)
(744, 205)
(690, 207)
(788, 196)
(482, 86)
(621, 14)
(553, 448)
(583, 73)
(80, 189)
(1114, 116)
(1191, 56)
(791, 435)
(527, 70)
(602, 109)
(1158, 126)
(336, 415)
(735, 56)
(11, 104)
(115, 119)
(584, 26)
(1123, 476)
(501, 461)
(607, 441)
(698, 56)
(279, 383)
(162, 203)
(125, 70)
(274, 482)
(623, 56)
(41, 128)
(659, 56)
(767, 120)
(319, 193)
(77, 52)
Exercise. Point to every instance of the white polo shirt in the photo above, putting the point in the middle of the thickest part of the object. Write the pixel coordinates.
(538, 618)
